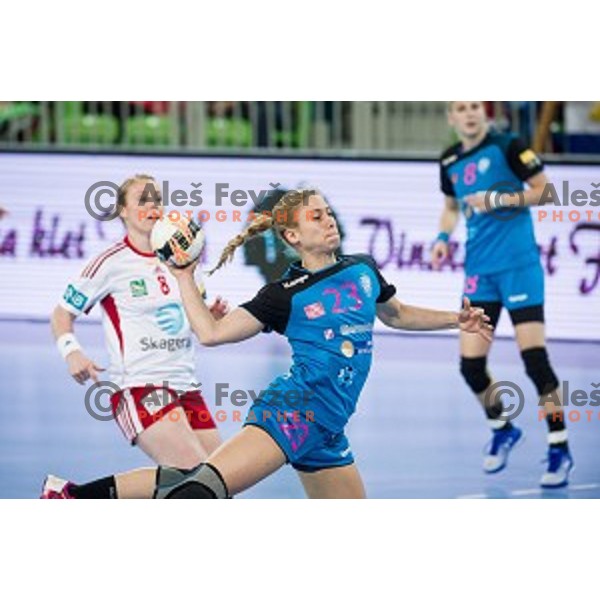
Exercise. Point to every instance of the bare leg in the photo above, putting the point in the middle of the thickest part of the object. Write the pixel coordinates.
(210, 439)
(172, 442)
(339, 482)
(247, 458)
(138, 484)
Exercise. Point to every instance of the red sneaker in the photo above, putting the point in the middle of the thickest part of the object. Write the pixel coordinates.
(56, 489)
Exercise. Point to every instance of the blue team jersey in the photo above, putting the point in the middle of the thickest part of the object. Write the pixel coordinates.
(499, 162)
(328, 318)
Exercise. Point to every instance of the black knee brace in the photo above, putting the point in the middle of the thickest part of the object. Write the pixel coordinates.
(475, 373)
(537, 367)
(203, 482)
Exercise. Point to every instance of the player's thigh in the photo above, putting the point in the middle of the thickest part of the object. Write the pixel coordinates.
(336, 482)
(246, 458)
(530, 335)
(210, 439)
(473, 346)
(171, 441)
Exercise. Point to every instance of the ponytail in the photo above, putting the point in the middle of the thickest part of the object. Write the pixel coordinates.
(259, 224)
(282, 217)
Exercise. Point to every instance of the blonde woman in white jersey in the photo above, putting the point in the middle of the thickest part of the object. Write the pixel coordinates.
(150, 345)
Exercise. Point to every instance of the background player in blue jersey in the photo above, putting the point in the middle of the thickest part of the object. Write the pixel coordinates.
(483, 178)
(325, 305)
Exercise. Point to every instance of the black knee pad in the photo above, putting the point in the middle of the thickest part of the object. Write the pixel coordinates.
(537, 367)
(203, 482)
(191, 490)
(474, 370)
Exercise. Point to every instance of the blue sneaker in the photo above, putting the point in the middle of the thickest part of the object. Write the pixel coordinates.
(497, 451)
(560, 464)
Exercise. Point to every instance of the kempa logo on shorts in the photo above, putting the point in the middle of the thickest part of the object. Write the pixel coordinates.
(75, 298)
(345, 452)
(518, 298)
(138, 288)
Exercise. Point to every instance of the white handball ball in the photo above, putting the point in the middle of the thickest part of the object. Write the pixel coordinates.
(177, 243)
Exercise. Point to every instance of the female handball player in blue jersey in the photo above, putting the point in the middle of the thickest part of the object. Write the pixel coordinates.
(326, 307)
(483, 177)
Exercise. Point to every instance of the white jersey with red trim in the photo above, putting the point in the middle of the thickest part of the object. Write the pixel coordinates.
(148, 335)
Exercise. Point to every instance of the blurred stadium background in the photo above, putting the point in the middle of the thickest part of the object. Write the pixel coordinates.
(418, 432)
(315, 127)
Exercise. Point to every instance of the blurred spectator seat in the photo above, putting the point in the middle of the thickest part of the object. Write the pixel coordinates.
(89, 129)
(17, 120)
(228, 132)
(149, 130)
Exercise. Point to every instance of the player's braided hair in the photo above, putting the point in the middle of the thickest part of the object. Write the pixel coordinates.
(283, 216)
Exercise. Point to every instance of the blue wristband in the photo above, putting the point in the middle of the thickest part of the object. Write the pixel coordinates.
(443, 237)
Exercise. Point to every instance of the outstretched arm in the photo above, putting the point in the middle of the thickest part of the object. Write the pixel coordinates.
(413, 318)
(236, 326)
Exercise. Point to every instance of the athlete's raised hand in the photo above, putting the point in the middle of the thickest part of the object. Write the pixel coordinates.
(474, 320)
(82, 368)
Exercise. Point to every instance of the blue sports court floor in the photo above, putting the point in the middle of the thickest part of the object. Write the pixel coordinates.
(418, 432)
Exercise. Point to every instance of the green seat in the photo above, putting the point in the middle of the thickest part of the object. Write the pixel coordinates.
(18, 121)
(230, 133)
(150, 130)
(17, 110)
(89, 129)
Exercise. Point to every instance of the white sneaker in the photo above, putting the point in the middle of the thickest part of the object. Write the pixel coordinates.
(560, 464)
(500, 446)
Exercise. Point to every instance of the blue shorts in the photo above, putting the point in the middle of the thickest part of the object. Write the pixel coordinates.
(516, 288)
(307, 445)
